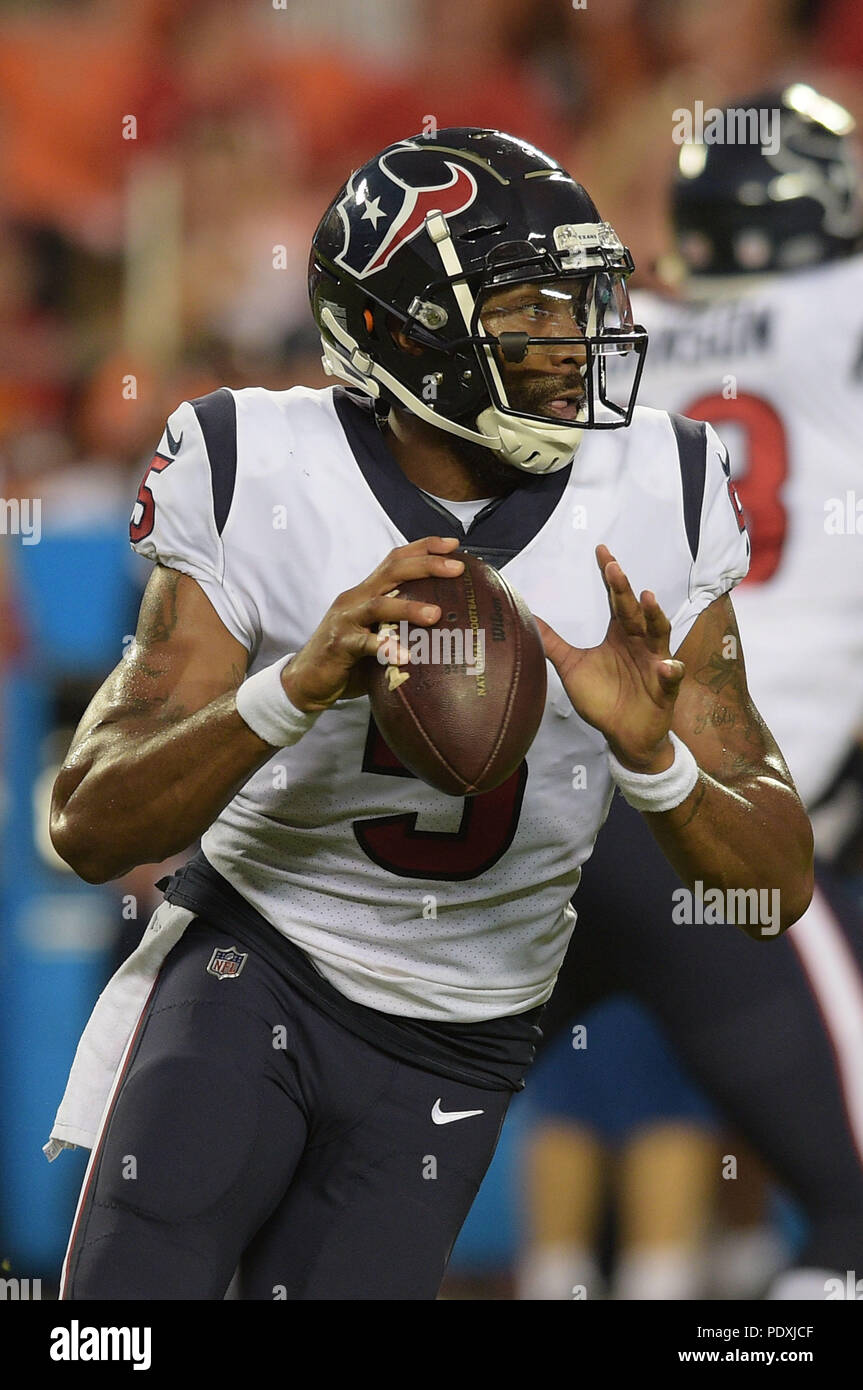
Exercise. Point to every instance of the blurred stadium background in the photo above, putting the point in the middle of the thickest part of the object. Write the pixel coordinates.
(162, 169)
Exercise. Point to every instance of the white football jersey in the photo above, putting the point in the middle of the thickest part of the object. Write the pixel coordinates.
(778, 370)
(407, 900)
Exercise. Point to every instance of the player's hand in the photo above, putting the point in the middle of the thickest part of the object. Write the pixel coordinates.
(327, 668)
(627, 686)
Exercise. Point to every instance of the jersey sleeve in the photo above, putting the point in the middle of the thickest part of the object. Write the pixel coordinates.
(183, 503)
(713, 517)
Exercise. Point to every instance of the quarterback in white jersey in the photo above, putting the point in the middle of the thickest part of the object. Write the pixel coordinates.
(467, 286)
(317, 501)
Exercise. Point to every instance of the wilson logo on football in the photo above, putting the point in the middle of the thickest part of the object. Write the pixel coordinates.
(226, 964)
(395, 212)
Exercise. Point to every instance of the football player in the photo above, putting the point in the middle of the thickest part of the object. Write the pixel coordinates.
(299, 1071)
(765, 343)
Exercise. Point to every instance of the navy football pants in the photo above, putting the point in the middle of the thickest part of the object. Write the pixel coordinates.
(251, 1130)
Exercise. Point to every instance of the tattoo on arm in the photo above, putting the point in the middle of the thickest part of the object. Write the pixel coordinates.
(724, 672)
(158, 621)
(718, 717)
(717, 673)
(164, 707)
(746, 747)
(155, 706)
(145, 669)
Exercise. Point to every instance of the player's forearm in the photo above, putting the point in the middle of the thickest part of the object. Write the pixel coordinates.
(754, 837)
(127, 796)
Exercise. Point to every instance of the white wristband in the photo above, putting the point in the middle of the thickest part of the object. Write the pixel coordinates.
(263, 704)
(657, 791)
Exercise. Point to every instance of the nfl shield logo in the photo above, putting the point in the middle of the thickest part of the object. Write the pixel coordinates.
(225, 964)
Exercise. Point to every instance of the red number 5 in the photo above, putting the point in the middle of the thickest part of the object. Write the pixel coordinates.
(146, 521)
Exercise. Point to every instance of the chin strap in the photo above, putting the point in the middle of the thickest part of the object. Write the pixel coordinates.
(359, 369)
(527, 446)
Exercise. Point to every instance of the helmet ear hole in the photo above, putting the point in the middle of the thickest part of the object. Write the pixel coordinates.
(368, 320)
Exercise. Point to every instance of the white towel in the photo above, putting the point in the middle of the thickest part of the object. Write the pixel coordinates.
(110, 1028)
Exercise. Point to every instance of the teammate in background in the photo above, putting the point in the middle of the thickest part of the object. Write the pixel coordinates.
(309, 1075)
(766, 343)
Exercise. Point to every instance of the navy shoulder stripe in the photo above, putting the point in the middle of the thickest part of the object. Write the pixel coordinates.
(217, 416)
(691, 436)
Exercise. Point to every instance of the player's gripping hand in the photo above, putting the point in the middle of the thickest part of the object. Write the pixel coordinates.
(326, 669)
(627, 686)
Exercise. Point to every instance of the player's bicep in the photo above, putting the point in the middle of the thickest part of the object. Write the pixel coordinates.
(714, 713)
(182, 658)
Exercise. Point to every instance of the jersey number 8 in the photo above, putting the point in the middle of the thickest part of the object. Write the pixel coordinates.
(760, 487)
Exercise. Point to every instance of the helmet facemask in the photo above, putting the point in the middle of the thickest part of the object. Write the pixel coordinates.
(559, 353)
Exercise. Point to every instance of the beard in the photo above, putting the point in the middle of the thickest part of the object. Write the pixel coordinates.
(491, 474)
(489, 471)
(529, 394)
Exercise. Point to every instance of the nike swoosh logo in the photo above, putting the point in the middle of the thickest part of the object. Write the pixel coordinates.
(173, 444)
(446, 1117)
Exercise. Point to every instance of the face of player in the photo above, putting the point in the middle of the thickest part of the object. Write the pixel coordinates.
(549, 380)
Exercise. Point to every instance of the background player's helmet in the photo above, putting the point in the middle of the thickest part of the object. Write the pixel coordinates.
(419, 236)
(757, 205)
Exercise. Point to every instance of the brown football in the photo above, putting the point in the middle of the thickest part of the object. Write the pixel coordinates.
(464, 711)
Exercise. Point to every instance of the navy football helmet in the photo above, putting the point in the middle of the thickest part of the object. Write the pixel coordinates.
(420, 237)
(746, 209)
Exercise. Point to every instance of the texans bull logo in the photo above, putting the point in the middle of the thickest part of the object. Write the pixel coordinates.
(394, 212)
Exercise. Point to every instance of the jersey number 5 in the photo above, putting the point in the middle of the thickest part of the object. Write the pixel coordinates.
(141, 528)
(488, 825)
(760, 487)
